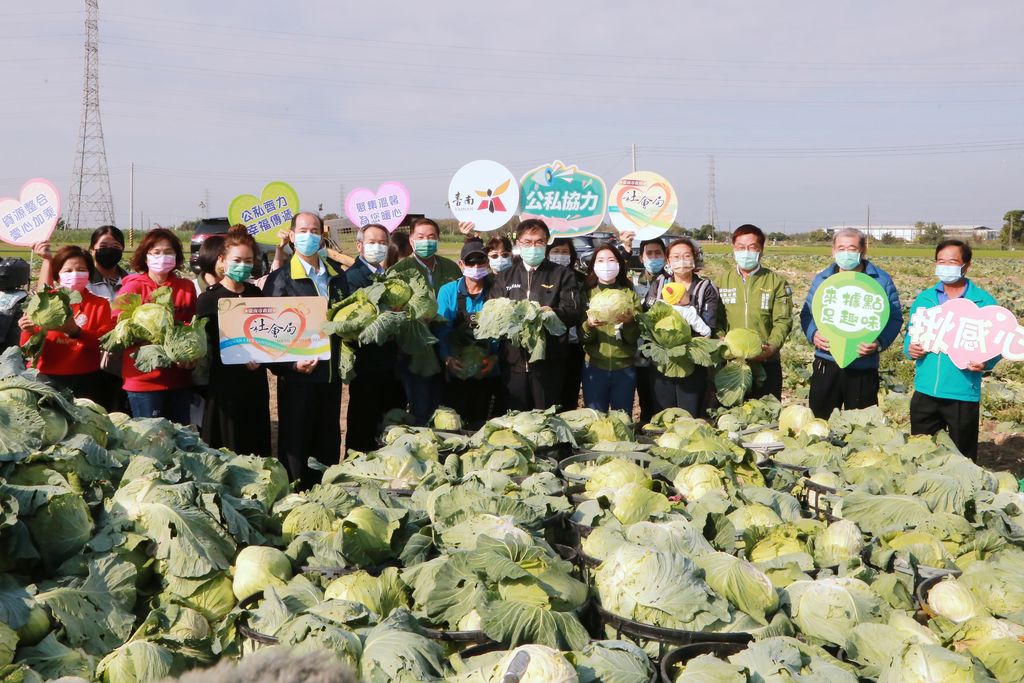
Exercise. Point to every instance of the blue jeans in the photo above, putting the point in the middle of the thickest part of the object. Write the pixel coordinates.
(606, 390)
(173, 404)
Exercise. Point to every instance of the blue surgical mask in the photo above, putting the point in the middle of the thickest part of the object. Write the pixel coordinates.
(747, 260)
(425, 248)
(501, 263)
(307, 243)
(560, 259)
(239, 272)
(476, 273)
(847, 260)
(532, 256)
(654, 266)
(375, 253)
(949, 275)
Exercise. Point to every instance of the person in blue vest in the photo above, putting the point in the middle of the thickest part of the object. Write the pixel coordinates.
(473, 397)
(946, 397)
(309, 391)
(856, 385)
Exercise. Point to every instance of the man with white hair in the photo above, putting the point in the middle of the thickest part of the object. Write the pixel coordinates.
(856, 385)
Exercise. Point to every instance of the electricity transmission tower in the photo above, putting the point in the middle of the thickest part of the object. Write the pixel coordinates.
(89, 202)
(712, 204)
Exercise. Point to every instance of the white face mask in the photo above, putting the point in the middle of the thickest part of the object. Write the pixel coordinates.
(374, 253)
(560, 259)
(606, 272)
(500, 263)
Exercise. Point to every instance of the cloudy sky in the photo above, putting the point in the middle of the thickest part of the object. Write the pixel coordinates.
(813, 110)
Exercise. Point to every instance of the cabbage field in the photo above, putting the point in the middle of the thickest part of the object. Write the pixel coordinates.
(577, 546)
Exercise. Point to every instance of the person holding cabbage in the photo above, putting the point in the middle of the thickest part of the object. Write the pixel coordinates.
(696, 301)
(610, 333)
(758, 299)
(162, 392)
(474, 383)
(237, 414)
(70, 356)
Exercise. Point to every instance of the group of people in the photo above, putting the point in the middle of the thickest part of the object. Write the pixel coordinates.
(600, 358)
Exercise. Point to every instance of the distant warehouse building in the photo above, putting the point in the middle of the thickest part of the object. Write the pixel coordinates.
(975, 233)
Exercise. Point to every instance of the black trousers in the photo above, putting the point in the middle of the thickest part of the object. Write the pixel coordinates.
(370, 396)
(538, 389)
(473, 399)
(844, 388)
(687, 393)
(645, 392)
(772, 384)
(308, 426)
(569, 397)
(930, 415)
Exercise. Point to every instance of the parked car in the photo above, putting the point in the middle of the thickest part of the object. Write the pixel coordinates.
(219, 226)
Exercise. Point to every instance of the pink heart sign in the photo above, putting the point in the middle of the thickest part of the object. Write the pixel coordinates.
(32, 216)
(963, 331)
(386, 206)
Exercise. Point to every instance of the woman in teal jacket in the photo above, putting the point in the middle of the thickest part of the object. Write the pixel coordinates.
(946, 397)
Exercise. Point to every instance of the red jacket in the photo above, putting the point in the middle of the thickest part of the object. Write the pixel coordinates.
(184, 300)
(64, 355)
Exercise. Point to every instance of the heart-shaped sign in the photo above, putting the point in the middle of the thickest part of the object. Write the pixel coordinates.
(966, 333)
(643, 203)
(276, 335)
(386, 206)
(265, 216)
(32, 216)
(850, 309)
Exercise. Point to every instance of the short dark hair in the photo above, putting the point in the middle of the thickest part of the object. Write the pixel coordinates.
(622, 279)
(211, 250)
(574, 258)
(106, 230)
(65, 254)
(398, 247)
(657, 241)
(138, 262)
(497, 243)
(531, 224)
(314, 214)
(749, 229)
(698, 253)
(425, 221)
(965, 249)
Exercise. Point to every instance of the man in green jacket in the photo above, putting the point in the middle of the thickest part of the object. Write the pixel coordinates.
(946, 397)
(435, 269)
(758, 299)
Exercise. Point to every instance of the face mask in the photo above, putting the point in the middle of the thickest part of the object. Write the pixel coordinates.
(681, 266)
(476, 272)
(76, 280)
(747, 260)
(949, 275)
(307, 243)
(501, 263)
(375, 253)
(425, 248)
(239, 272)
(560, 259)
(606, 272)
(532, 256)
(160, 263)
(654, 266)
(847, 260)
(108, 257)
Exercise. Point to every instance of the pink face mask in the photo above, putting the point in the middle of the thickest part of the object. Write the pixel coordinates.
(160, 263)
(75, 279)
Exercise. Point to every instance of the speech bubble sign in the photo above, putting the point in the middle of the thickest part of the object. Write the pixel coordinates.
(643, 203)
(386, 206)
(850, 309)
(265, 216)
(572, 202)
(484, 193)
(31, 217)
(966, 332)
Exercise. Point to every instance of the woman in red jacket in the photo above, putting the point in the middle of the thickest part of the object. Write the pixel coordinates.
(70, 358)
(165, 392)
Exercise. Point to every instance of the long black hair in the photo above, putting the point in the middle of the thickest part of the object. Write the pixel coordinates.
(621, 280)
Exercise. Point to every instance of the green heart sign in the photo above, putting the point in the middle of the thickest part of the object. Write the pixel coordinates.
(850, 309)
(266, 215)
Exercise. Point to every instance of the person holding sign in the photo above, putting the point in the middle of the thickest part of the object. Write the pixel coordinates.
(237, 414)
(756, 298)
(533, 277)
(850, 383)
(309, 391)
(947, 397)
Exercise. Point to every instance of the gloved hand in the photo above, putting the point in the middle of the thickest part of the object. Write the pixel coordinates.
(691, 316)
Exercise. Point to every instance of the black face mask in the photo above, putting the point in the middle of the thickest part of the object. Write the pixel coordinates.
(108, 257)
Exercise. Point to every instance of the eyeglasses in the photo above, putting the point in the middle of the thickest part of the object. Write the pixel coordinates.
(534, 243)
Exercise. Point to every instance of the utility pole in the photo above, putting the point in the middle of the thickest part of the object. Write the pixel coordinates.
(131, 204)
(712, 203)
(633, 153)
(867, 225)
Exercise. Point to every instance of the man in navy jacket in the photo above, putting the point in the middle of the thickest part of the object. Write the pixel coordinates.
(856, 385)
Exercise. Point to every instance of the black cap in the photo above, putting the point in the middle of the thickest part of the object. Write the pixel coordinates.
(473, 247)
